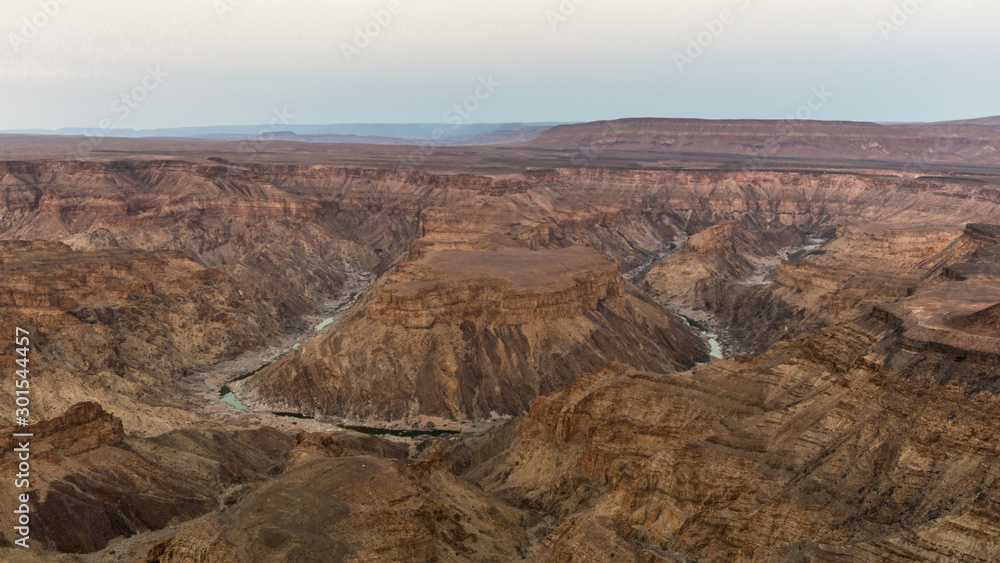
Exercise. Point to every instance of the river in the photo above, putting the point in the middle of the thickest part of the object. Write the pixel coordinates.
(206, 391)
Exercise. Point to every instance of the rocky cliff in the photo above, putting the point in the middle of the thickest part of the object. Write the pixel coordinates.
(91, 483)
(864, 265)
(817, 451)
(504, 287)
(869, 441)
(122, 326)
(471, 334)
(725, 252)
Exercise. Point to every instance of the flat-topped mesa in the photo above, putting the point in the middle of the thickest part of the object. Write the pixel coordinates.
(481, 223)
(507, 287)
(465, 335)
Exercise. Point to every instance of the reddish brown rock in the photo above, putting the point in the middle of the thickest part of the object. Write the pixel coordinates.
(91, 483)
(121, 326)
(503, 287)
(869, 436)
(466, 335)
(354, 508)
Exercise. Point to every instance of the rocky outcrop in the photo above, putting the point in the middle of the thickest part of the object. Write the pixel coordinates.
(816, 450)
(947, 326)
(122, 326)
(975, 253)
(354, 508)
(725, 252)
(84, 427)
(862, 266)
(986, 320)
(310, 447)
(91, 483)
(466, 335)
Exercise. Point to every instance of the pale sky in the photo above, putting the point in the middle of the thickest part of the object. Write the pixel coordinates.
(184, 63)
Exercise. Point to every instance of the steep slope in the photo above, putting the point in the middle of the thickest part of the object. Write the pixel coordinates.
(122, 326)
(91, 483)
(986, 320)
(866, 434)
(239, 220)
(466, 334)
(865, 264)
(354, 509)
(816, 451)
(870, 441)
(726, 252)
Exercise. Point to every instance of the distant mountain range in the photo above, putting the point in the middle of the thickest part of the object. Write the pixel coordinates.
(974, 141)
(740, 143)
(359, 133)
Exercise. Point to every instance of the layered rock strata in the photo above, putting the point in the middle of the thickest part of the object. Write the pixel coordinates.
(355, 508)
(509, 287)
(818, 451)
(90, 482)
(466, 335)
(725, 252)
(864, 265)
(122, 326)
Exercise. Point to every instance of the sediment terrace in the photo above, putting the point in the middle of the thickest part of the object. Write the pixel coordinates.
(507, 287)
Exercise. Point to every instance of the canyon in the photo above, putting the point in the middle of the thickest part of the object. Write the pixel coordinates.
(529, 349)
(466, 335)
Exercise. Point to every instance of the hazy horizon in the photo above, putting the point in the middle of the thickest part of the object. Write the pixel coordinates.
(241, 128)
(113, 64)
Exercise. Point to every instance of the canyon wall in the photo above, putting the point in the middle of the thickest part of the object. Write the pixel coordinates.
(472, 334)
(863, 429)
(276, 240)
